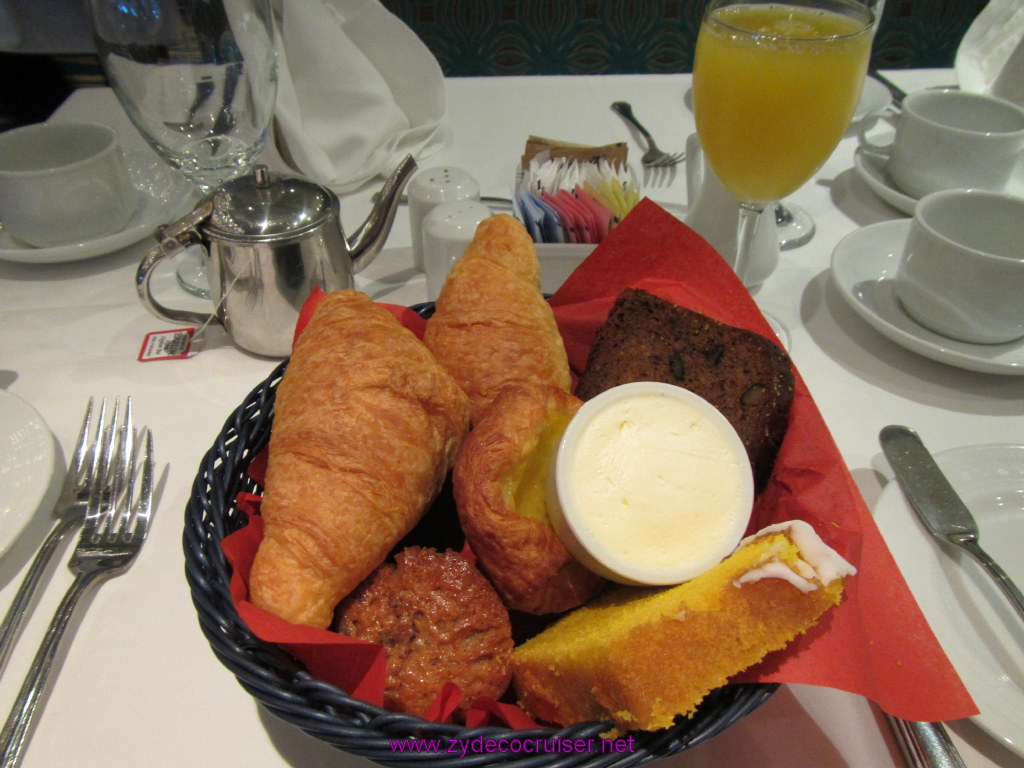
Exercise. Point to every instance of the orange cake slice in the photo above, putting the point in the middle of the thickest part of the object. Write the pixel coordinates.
(640, 657)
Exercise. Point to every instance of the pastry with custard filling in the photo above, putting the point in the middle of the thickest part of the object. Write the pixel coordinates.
(499, 482)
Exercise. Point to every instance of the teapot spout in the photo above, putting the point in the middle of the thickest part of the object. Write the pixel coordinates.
(366, 242)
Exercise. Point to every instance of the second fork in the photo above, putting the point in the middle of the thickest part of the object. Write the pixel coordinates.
(88, 478)
(653, 157)
(110, 541)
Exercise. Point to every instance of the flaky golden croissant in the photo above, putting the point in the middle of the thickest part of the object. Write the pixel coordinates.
(366, 426)
(492, 325)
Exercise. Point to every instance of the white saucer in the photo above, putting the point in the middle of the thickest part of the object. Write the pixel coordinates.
(976, 627)
(864, 267)
(870, 167)
(26, 465)
(164, 195)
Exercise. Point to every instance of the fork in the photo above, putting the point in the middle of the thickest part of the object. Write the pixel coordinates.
(925, 745)
(112, 535)
(653, 157)
(88, 476)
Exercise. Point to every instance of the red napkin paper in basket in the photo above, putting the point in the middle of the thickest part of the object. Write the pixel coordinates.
(876, 643)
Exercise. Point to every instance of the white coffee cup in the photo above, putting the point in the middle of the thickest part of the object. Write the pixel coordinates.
(63, 183)
(961, 272)
(447, 230)
(430, 188)
(948, 139)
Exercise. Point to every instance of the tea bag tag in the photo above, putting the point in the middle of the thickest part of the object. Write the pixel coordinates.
(173, 344)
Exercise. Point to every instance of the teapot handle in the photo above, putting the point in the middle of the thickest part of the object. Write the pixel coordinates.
(174, 239)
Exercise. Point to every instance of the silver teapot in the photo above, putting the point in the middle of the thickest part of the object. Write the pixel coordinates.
(269, 240)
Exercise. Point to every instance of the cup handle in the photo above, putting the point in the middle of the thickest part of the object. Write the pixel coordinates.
(869, 122)
(167, 248)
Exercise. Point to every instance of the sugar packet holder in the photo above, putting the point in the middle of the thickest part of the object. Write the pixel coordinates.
(565, 199)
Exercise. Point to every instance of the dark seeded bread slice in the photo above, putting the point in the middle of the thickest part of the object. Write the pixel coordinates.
(746, 376)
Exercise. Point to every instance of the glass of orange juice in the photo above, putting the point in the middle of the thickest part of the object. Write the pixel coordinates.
(775, 84)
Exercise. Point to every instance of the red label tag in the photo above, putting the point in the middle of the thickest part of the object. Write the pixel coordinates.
(166, 345)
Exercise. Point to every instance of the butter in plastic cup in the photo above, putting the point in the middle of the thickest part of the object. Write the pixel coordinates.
(650, 485)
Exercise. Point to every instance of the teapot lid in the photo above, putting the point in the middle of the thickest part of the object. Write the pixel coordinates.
(264, 204)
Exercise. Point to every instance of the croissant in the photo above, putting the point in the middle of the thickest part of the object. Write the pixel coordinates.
(366, 426)
(492, 325)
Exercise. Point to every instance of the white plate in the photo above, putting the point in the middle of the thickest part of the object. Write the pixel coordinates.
(26, 465)
(870, 167)
(164, 195)
(864, 267)
(873, 98)
(977, 628)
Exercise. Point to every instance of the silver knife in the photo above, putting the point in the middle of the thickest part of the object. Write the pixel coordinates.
(938, 505)
(923, 744)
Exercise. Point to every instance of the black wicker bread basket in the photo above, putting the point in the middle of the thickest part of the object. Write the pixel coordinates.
(284, 687)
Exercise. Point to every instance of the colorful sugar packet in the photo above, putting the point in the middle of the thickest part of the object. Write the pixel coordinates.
(573, 194)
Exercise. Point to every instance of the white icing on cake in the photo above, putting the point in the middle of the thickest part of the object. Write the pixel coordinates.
(818, 560)
(774, 569)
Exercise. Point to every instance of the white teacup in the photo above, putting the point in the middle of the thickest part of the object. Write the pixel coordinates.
(63, 183)
(961, 273)
(949, 139)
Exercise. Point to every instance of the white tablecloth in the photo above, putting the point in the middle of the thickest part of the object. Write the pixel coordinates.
(139, 685)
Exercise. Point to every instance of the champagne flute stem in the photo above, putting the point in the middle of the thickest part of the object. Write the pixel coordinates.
(750, 215)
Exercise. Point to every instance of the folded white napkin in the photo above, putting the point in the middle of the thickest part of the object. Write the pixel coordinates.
(990, 58)
(357, 91)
